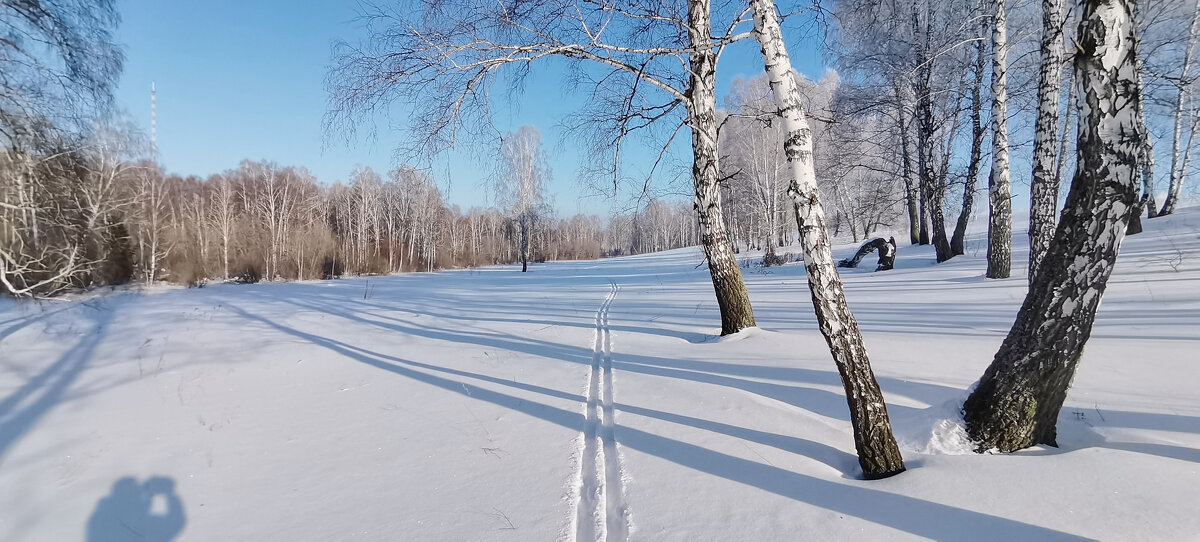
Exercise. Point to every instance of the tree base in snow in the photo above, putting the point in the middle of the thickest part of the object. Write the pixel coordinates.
(882, 475)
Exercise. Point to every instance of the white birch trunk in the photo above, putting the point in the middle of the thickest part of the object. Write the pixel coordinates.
(911, 192)
(1043, 191)
(730, 289)
(1177, 148)
(877, 451)
(999, 253)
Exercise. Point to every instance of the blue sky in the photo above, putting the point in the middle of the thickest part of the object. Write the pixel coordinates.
(243, 80)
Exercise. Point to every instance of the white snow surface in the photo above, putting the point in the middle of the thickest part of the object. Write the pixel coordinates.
(454, 406)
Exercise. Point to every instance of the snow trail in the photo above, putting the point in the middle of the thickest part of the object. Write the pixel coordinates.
(601, 512)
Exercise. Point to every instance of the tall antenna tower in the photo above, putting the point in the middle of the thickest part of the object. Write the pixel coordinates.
(153, 125)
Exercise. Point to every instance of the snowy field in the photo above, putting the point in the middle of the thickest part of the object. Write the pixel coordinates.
(586, 400)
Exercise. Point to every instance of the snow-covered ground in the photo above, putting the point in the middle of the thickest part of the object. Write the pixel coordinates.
(457, 406)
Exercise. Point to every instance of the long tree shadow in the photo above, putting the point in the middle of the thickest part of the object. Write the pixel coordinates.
(16, 324)
(829, 455)
(499, 312)
(733, 375)
(1074, 436)
(900, 512)
(820, 401)
(50, 385)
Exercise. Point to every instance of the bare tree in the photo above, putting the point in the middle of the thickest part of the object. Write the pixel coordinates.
(151, 220)
(1017, 402)
(878, 453)
(752, 159)
(519, 185)
(957, 240)
(222, 215)
(911, 60)
(1043, 190)
(102, 199)
(39, 250)
(60, 65)
(1146, 165)
(1179, 149)
(999, 253)
(368, 207)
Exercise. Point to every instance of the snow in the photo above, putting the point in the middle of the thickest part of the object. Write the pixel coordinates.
(452, 406)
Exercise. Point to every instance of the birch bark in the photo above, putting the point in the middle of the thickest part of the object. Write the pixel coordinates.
(999, 253)
(732, 297)
(1043, 190)
(878, 454)
(957, 241)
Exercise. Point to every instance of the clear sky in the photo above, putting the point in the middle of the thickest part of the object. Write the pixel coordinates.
(244, 80)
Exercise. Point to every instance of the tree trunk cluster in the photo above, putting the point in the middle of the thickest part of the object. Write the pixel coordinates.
(1017, 402)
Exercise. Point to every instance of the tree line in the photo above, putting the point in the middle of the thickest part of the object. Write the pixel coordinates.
(84, 203)
(90, 216)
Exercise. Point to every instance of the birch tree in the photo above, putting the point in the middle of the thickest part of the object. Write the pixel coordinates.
(1043, 189)
(520, 184)
(1146, 165)
(933, 192)
(151, 221)
(914, 57)
(1017, 402)
(878, 454)
(40, 252)
(222, 215)
(752, 159)
(957, 240)
(1180, 146)
(999, 253)
(108, 166)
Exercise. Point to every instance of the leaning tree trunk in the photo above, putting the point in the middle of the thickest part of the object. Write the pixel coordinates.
(957, 241)
(732, 297)
(1043, 190)
(1017, 402)
(999, 253)
(877, 451)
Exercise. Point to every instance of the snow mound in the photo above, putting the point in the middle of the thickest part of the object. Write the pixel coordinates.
(937, 430)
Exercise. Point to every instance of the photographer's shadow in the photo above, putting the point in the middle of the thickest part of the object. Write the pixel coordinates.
(148, 511)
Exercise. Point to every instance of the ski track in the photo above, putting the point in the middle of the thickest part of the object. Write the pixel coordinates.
(601, 512)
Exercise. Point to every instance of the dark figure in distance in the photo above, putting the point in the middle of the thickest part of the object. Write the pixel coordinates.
(887, 253)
